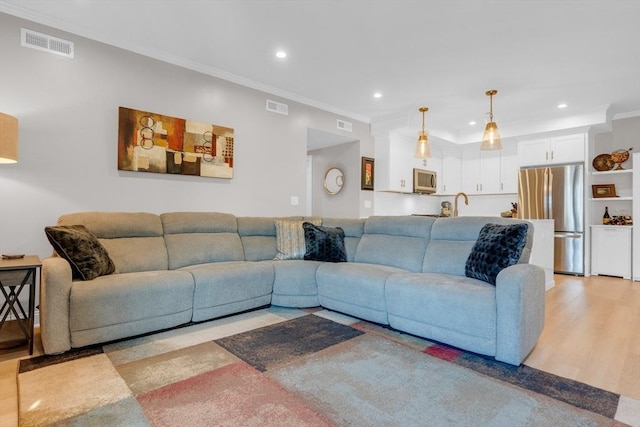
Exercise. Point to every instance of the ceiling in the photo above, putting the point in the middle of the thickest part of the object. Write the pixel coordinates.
(443, 54)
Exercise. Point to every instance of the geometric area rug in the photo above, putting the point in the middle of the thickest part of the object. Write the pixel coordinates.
(289, 367)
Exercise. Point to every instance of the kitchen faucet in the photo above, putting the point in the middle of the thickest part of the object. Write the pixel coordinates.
(466, 202)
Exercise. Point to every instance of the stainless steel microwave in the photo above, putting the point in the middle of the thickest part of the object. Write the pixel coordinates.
(424, 181)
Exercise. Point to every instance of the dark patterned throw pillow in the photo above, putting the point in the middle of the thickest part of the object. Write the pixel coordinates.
(324, 243)
(498, 247)
(88, 258)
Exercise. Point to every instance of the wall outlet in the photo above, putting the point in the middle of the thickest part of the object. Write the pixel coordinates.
(295, 200)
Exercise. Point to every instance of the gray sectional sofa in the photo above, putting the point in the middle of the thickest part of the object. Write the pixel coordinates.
(407, 272)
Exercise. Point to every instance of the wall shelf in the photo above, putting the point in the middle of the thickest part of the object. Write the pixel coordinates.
(613, 172)
(611, 199)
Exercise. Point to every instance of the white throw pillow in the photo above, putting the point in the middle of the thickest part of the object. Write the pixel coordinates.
(290, 237)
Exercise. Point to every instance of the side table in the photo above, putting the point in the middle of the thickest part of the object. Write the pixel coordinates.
(15, 274)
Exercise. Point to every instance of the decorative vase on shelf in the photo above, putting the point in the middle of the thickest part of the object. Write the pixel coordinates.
(619, 157)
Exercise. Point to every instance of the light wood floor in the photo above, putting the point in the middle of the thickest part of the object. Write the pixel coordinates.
(591, 334)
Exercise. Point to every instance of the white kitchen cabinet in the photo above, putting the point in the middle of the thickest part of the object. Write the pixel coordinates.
(395, 163)
(534, 153)
(394, 157)
(449, 180)
(480, 171)
(509, 168)
(611, 250)
(549, 151)
(400, 170)
(567, 149)
(470, 171)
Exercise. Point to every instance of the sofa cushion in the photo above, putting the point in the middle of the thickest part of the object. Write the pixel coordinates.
(201, 237)
(122, 305)
(295, 283)
(223, 288)
(324, 243)
(258, 236)
(385, 237)
(88, 258)
(290, 237)
(453, 238)
(134, 240)
(458, 310)
(355, 288)
(498, 247)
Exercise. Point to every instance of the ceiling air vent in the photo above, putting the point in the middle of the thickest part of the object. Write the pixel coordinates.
(277, 107)
(342, 125)
(46, 43)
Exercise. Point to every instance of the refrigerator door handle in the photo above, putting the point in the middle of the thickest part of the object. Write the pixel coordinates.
(568, 235)
(547, 198)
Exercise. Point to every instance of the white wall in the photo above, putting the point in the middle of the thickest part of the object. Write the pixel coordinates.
(345, 203)
(626, 134)
(68, 113)
(405, 204)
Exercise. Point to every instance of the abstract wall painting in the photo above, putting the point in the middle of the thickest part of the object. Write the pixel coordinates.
(152, 142)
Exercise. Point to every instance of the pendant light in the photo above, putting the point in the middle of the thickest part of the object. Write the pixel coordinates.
(422, 148)
(491, 139)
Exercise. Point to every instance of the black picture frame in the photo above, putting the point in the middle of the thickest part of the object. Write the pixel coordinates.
(367, 173)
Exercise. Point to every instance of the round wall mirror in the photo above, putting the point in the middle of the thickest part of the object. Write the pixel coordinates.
(333, 180)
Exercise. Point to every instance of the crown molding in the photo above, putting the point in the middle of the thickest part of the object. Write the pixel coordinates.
(626, 115)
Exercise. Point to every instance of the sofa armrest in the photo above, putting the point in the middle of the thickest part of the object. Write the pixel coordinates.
(55, 291)
(520, 299)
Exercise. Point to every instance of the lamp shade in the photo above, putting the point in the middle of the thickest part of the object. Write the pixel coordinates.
(491, 139)
(8, 139)
(422, 148)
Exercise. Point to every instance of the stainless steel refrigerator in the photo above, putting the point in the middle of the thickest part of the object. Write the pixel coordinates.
(557, 193)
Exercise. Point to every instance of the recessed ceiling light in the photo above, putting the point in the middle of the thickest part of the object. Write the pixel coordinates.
(377, 95)
(563, 105)
(281, 54)
(472, 123)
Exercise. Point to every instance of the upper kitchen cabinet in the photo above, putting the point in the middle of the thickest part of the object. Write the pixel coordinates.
(489, 172)
(481, 171)
(400, 166)
(509, 168)
(449, 176)
(395, 162)
(551, 151)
